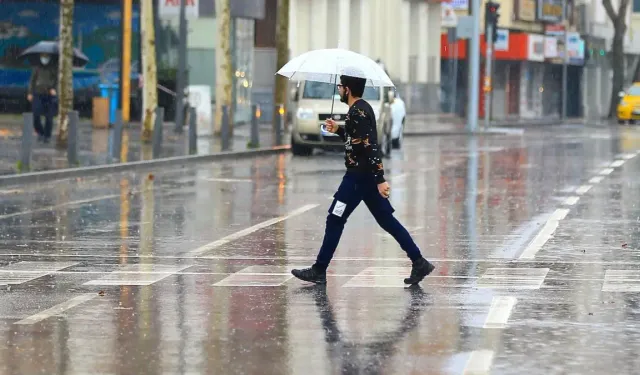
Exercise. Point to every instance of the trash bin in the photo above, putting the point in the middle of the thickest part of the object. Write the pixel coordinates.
(110, 91)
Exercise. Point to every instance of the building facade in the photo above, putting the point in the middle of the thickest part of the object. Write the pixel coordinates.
(402, 34)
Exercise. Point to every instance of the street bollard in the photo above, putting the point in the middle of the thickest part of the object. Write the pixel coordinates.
(225, 128)
(279, 126)
(72, 140)
(255, 137)
(157, 133)
(27, 140)
(193, 131)
(117, 137)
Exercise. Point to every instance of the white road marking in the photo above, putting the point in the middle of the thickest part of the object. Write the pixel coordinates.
(378, 277)
(596, 180)
(513, 278)
(213, 179)
(606, 171)
(247, 279)
(234, 236)
(58, 309)
(545, 234)
(570, 201)
(22, 272)
(138, 274)
(583, 189)
(617, 163)
(499, 312)
(479, 362)
(621, 281)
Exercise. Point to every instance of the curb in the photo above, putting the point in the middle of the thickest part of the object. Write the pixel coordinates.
(36, 177)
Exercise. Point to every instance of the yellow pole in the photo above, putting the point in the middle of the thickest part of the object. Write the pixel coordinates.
(126, 60)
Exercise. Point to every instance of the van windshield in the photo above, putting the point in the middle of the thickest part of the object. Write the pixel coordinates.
(634, 91)
(322, 90)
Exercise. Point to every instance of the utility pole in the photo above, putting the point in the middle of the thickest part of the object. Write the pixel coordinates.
(474, 61)
(565, 59)
(491, 17)
(182, 67)
(125, 61)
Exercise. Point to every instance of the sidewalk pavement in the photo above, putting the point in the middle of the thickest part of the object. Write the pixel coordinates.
(445, 123)
(95, 145)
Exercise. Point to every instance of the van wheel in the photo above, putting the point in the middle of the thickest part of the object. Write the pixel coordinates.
(300, 150)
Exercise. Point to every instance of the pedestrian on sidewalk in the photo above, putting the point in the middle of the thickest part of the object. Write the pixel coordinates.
(42, 95)
(363, 181)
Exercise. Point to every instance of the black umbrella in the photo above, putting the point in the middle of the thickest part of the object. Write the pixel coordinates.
(52, 48)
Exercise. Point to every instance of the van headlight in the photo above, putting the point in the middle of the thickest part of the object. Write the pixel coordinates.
(304, 114)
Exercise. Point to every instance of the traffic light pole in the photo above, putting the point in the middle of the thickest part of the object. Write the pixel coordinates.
(487, 76)
(564, 73)
(474, 79)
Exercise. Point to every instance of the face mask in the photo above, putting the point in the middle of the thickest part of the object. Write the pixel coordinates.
(44, 60)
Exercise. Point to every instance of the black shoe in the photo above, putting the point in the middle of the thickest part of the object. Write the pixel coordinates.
(46, 139)
(311, 274)
(419, 270)
(40, 138)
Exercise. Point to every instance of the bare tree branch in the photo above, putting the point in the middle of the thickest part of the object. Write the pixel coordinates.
(622, 11)
(610, 12)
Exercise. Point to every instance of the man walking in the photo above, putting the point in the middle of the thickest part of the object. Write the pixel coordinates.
(363, 181)
(42, 95)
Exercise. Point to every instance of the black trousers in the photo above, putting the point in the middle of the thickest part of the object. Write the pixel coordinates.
(43, 105)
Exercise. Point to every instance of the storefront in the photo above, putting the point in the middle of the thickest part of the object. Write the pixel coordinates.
(509, 53)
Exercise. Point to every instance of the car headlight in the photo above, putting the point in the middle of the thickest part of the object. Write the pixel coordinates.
(304, 114)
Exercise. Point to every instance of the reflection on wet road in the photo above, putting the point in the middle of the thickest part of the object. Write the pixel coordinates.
(187, 270)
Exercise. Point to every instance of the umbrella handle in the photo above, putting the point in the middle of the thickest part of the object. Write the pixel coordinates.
(333, 97)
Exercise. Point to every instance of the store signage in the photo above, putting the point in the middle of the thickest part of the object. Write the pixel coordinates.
(526, 10)
(551, 10)
(171, 8)
(536, 48)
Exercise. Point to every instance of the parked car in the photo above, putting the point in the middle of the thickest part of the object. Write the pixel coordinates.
(629, 106)
(311, 106)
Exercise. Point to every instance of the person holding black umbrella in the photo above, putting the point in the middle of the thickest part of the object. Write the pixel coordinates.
(42, 95)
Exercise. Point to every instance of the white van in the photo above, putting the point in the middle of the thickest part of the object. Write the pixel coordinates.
(311, 106)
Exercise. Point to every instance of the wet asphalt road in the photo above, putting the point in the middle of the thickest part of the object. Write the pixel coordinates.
(186, 270)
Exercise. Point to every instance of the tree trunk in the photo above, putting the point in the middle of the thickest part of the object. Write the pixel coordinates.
(149, 70)
(617, 65)
(617, 50)
(65, 71)
(224, 63)
(280, 93)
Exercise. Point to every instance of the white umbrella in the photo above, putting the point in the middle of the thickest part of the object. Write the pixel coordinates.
(325, 65)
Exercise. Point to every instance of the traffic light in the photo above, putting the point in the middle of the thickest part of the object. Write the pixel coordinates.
(491, 17)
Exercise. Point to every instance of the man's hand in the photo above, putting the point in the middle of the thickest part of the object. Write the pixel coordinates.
(384, 189)
(29, 97)
(330, 125)
(52, 92)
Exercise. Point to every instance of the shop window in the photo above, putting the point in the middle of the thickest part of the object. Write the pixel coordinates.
(636, 6)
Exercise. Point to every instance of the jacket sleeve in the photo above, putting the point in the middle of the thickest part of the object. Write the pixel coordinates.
(32, 81)
(363, 145)
(341, 133)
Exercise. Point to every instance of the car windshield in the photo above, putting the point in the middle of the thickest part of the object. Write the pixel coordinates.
(321, 90)
(634, 90)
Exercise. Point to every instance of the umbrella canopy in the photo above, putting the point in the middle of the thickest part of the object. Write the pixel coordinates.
(325, 65)
(52, 48)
